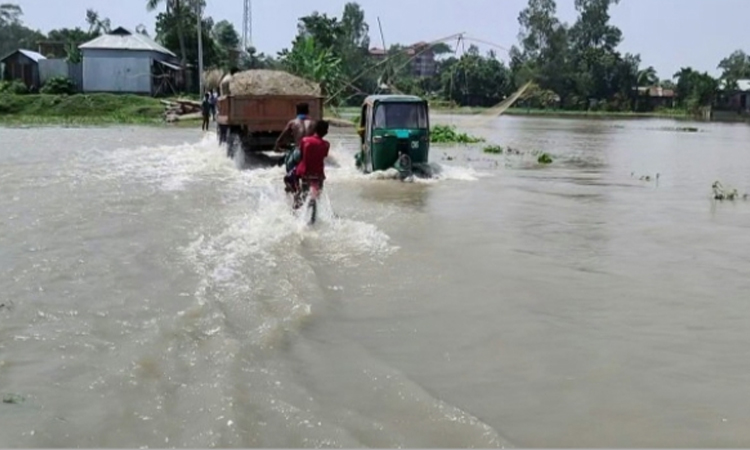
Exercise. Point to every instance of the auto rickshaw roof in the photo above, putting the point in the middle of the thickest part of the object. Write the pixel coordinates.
(384, 98)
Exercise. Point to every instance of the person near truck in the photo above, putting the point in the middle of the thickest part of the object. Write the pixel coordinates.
(213, 99)
(296, 129)
(206, 111)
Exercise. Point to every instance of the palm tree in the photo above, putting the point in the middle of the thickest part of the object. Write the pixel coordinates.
(647, 77)
(174, 8)
(97, 25)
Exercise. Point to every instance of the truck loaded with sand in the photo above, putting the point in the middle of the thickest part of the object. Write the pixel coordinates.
(259, 104)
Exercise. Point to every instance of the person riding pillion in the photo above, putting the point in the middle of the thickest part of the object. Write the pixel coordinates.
(297, 128)
(314, 152)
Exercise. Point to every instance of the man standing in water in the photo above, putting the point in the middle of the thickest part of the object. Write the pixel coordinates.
(206, 110)
(297, 128)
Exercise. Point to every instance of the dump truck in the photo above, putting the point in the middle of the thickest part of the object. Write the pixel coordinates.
(253, 123)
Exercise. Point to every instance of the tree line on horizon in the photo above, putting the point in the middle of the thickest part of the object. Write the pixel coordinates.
(574, 66)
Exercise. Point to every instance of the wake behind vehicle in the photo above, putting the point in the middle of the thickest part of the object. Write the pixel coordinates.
(395, 133)
(309, 192)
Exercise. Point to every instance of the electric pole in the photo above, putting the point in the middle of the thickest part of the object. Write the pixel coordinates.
(247, 25)
(200, 46)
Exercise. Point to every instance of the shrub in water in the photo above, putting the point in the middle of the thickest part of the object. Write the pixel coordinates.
(493, 149)
(447, 134)
(544, 158)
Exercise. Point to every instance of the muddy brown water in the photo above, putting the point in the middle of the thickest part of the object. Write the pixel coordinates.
(153, 295)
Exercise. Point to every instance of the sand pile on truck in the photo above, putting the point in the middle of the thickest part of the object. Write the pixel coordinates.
(271, 82)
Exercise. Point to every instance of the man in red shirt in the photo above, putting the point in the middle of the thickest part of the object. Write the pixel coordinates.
(314, 152)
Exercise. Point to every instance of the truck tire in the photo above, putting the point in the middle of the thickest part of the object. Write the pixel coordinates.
(222, 133)
(234, 143)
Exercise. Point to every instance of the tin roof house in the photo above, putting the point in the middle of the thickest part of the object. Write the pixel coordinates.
(126, 62)
(22, 65)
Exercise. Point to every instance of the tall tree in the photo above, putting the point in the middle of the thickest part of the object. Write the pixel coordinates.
(695, 89)
(96, 24)
(595, 60)
(174, 9)
(647, 77)
(167, 32)
(9, 14)
(227, 42)
(735, 67)
(538, 24)
(251, 59)
(13, 33)
(226, 36)
(314, 62)
(476, 80)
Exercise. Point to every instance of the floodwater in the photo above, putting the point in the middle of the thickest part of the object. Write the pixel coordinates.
(154, 295)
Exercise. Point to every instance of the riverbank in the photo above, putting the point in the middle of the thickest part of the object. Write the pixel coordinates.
(463, 111)
(80, 109)
(96, 109)
(106, 109)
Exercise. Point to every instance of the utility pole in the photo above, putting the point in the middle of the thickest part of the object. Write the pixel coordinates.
(247, 25)
(200, 46)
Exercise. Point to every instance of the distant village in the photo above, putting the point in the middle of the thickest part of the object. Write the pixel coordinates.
(124, 61)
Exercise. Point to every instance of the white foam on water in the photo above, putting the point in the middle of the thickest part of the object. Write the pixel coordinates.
(342, 168)
(249, 255)
(169, 167)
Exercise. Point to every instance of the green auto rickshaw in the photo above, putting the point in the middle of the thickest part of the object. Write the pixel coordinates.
(395, 133)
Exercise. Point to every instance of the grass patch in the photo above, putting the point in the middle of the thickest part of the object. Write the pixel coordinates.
(446, 134)
(83, 109)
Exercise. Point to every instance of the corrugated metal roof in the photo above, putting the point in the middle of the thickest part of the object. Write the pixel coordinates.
(385, 98)
(122, 39)
(34, 56)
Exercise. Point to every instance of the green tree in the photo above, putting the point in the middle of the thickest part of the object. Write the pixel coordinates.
(10, 14)
(168, 28)
(735, 67)
(227, 42)
(592, 29)
(251, 59)
(695, 89)
(97, 25)
(647, 77)
(71, 38)
(225, 35)
(543, 55)
(310, 60)
(475, 80)
(345, 40)
(174, 9)
(597, 66)
(13, 33)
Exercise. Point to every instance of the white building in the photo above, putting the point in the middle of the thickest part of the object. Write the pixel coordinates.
(127, 62)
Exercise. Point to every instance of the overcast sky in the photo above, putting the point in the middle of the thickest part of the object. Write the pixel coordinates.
(668, 34)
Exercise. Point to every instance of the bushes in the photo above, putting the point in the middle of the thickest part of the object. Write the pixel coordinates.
(14, 87)
(58, 86)
(53, 86)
